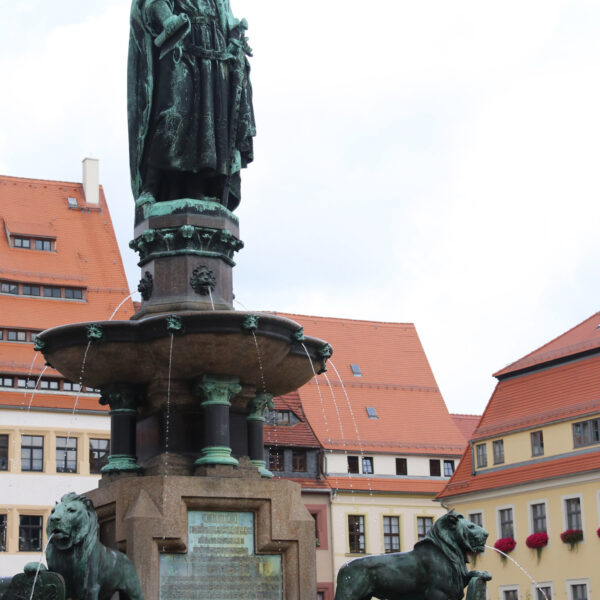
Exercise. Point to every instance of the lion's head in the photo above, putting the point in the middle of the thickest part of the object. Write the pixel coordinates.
(458, 533)
(72, 522)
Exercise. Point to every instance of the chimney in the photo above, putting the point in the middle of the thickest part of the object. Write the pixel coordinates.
(91, 180)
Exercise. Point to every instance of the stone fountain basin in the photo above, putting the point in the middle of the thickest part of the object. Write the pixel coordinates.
(215, 343)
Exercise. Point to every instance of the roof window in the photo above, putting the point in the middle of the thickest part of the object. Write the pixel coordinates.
(372, 413)
(72, 202)
(356, 370)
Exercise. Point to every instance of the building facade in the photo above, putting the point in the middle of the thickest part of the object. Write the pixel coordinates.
(531, 475)
(60, 264)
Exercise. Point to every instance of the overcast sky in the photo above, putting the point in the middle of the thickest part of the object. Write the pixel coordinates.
(421, 161)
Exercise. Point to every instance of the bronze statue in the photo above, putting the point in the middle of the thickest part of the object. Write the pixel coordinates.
(90, 570)
(434, 570)
(191, 120)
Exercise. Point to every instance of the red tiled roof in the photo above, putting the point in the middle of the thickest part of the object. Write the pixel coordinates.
(563, 391)
(466, 424)
(396, 381)
(388, 484)
(312, 484)
(299, 434)
(581, 338)
(22, 399)
(87, 256)
(463, 482)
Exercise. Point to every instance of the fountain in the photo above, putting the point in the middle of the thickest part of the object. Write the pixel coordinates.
(186, 493)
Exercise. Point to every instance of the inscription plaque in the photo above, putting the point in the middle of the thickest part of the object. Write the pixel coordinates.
(220, 563)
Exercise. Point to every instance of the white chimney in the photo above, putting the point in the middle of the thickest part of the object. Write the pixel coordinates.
(91, 180)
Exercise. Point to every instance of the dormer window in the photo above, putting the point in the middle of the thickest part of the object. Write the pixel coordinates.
(20, 242)
(32, 243)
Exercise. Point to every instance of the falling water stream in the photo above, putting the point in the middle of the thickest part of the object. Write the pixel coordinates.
(121, 304)
(37, 571)
(520, 567)
(37, 382)
(167, 425)
(81, 373)
(30, 371)
(211, 299)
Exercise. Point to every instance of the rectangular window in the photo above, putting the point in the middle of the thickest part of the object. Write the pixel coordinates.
(2, 533)
(66, 455)
(299, 461)
(73, 293)
(579, 591)
(276, 459)
(21, 242)
(45, 245)
(506, 523)
(9, 288)
(353, 464)
(573, 512)
(16, 336)
(537, 443)
(49, 384)
(424, 524)
(7, 381)
(282, 417)
(51, 292)
(356, 534)
(448, 468)
(30, 533)
(510, 595)
(434, 467)
(391, 534)
(28, 383)
(315, 516)
(476, 518)
(4, 452)
(31, 290)
(586, 433)
(538, 517)
(98, 454)
(69, 386)
(367, 465)
(481, 451)
(401, 466)
(498, 452)
(544, 592)
(32, 453)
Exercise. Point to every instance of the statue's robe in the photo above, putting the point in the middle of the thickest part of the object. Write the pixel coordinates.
(189, 103)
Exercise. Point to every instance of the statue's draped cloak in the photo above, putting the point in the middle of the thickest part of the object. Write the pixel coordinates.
(189, 111)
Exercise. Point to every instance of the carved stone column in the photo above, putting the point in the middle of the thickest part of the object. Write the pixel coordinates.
(256, 422)
(122, 399)
(217, 393)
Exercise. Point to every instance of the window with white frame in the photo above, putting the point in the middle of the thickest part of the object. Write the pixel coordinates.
(476, 517)
(538, 517)
(424, 524)
(573, 513)
(509, 592)
(578, 589)
(543, 591)
(537, 443)
(505, 517)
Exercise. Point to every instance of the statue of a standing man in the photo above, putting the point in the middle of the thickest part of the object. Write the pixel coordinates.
(191, 120)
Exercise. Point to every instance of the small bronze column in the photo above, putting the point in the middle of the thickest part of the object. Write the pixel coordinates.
(217, 393)
(256, 422)
(122, 399)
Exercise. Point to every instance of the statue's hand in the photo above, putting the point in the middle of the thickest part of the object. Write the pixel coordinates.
(170, 26)
(483, 574)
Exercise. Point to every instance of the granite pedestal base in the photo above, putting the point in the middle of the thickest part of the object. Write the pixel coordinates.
(259, 533)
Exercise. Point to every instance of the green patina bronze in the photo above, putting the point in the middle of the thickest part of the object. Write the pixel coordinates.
(298, 335)
(39, 345)
(94, 332)
(259, 405)
(250, 323)
(203, 280)
(434, 570)
(90, 571)
(217, 390)
(191, 120)
(174, 324)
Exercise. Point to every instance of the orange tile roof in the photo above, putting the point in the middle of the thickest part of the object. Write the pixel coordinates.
(87, 256)
(299, 434)
(305, 483)
(582, 338)
(390, 485)
(463, 482)
(396, 380)
(564, 391)
(466, 424)
(22, 399)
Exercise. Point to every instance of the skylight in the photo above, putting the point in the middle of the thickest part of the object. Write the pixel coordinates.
(356, 370)
(72, 201)
(372, 413)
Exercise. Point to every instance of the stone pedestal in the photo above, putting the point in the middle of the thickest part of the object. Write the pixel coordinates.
(153, 519)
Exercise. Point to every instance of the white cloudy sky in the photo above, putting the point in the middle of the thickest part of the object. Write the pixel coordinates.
(433, 161)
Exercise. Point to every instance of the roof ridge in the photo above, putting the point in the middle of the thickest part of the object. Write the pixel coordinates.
(31, 179)
(507, 368)
(337, 319)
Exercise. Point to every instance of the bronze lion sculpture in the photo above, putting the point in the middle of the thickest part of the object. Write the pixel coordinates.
(91, 570)
(434, 570)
